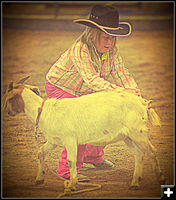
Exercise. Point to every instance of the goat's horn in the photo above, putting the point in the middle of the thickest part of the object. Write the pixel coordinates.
(10, 86)
(23, 80)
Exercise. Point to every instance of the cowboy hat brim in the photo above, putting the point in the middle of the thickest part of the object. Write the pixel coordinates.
(124, 28)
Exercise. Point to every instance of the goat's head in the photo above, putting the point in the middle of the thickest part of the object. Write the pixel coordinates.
(12, 100)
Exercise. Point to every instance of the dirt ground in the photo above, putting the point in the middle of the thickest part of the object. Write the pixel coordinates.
(147, 55)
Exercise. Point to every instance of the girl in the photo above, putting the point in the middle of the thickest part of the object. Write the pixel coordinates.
(86, 68)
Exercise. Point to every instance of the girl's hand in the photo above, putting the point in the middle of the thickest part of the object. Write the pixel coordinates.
(134, 91)
(130, 90)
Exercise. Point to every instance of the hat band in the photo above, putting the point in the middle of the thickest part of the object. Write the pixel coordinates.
(88, 20)
(126, 23)
(104, 28)
(109, 28)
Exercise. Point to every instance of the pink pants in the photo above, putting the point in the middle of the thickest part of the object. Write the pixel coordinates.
(86, 153)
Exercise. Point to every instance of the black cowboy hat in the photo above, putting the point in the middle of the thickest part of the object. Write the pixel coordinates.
(106, 18)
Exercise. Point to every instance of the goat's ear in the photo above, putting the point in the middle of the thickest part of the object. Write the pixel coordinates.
(36, 91)
(23, 80)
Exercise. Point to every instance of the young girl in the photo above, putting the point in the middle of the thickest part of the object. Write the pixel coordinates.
(85, 68)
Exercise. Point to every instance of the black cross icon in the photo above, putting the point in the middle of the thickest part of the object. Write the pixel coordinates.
(168, 191)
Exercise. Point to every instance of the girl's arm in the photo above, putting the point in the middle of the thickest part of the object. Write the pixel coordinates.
(85, 68)
(122, 77)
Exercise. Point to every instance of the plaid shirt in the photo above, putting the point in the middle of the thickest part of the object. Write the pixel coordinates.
(74, 73)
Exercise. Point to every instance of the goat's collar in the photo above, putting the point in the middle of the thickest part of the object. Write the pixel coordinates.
(39, 113)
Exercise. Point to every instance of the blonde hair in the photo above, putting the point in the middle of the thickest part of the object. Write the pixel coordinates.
(88, 37)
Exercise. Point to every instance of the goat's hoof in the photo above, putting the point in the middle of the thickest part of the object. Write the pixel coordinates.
(39, 182)
(68, 185)
(134, 187)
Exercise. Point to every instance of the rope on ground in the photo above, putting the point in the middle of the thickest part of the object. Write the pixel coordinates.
(68, 191)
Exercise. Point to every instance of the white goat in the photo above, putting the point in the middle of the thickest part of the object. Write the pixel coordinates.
(99, 119)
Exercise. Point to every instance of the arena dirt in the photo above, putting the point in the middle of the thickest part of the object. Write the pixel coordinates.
(148, 56)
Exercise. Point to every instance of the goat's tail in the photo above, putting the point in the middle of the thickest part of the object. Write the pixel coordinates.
(153, 117)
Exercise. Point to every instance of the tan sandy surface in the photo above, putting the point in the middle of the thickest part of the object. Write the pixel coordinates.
(148, 55)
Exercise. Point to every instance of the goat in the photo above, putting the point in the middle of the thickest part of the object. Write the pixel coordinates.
(100, 118)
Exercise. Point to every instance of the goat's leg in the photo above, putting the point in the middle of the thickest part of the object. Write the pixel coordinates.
(71, 147)
(155, 164)
(138, 155)
(137, 176)
(41, 156)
